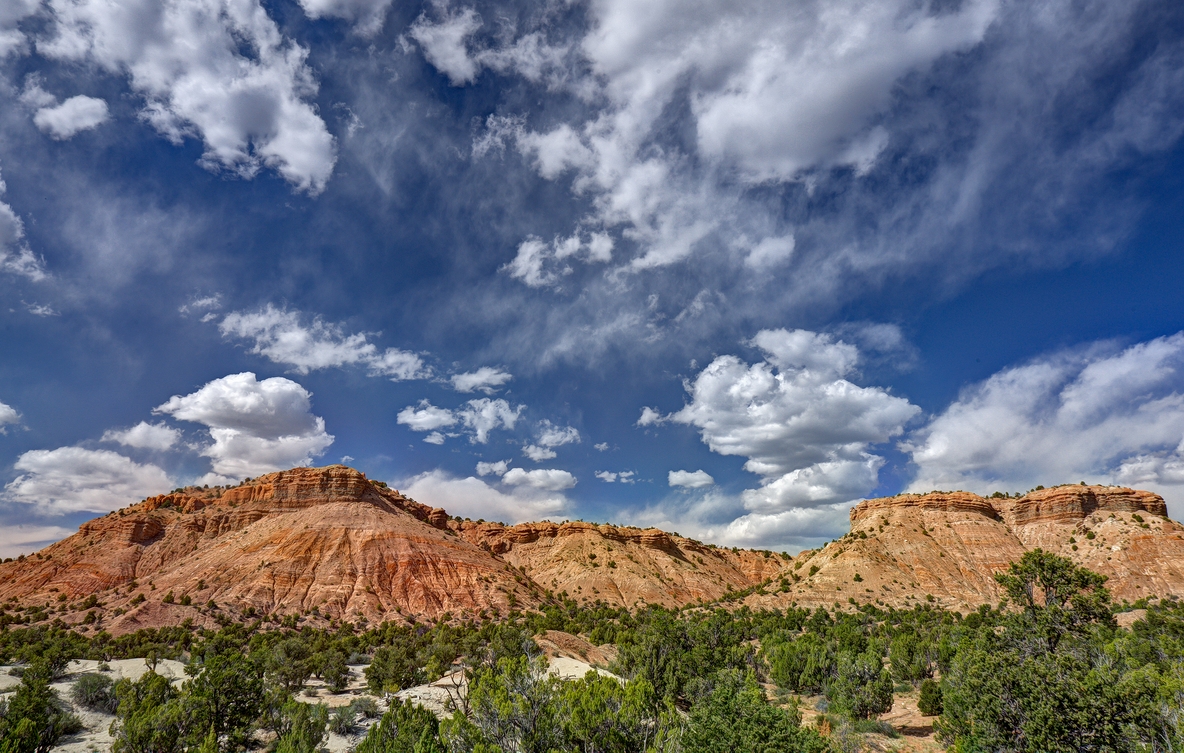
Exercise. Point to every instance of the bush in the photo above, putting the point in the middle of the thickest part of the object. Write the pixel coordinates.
(862, 687)
(366, 707)
(343, 720)
(95, 692)
(930, 701)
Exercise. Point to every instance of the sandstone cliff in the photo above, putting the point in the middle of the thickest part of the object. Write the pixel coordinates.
(948, 545)
(329, 543)
(623, 566)
(311, 538)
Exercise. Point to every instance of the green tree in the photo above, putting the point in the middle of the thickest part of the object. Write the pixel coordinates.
(1057, 596)
(512, 708)
(862, 688)
(929, 702)
(306, 728)
(226, 693)
(731, 714)
(403, 729)
(600, 715)
(150, 718)
(35, 718)
(394, 668)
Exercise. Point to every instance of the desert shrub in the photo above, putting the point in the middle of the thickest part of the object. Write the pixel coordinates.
(95, 692)
(930, 700)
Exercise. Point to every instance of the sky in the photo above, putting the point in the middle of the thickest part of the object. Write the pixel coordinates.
(723, 268)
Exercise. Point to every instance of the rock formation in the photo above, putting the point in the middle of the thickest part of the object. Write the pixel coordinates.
(948, 545)
(328, 543)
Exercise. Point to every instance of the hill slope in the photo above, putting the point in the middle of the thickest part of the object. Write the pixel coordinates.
(331, 540)
(949, 545)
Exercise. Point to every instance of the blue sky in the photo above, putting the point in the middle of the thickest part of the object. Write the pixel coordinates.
(722, 269)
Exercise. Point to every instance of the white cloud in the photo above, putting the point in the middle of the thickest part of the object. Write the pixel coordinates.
(12, 12)
(485, 379)
(257, 426)
(600, 446)
(804, 428)
(473, 498)
(497, 468)
(484, 415)
(73, 479)
(41, 309)
(435, 438)
(282, 337)
(1099, 414)
(367, 15)
(771, 95)
(651, 417)
(8, 417)
(538, 454)
(540, 264)
(550, 479)
(220, 71)
(202, 303)
(144, 436)
(690, 479)
(15, 256)
(19, 539)
(550, 436)
(426, 417)
(479, 416)
(73, 116)
(443, 44)
(610, 477)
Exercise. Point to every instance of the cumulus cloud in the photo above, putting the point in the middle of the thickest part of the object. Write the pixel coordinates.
(76, 114)
(550, 436)
(426, 417)
(73, 479)
(612, 477)
(497, 468)
(651, 417)
(366, 15)
(8, 417)
(282, 336)
(221, 72)
(690, 479)
(485, 379)
(144, 436)
(803, 426)
(473, 498)
(549, 479)
(443, 44)
(257, 426)
(479, 417)
(484, 415)
(1100, 413)
(12, 12)
(770, 96)
(15, 256)
(540, 264)
(449, 46)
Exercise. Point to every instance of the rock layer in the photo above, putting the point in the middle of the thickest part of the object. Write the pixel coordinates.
(328, 543)
(948, 545)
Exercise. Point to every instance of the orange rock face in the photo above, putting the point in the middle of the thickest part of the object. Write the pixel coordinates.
(902, 550)
(331, 543)
(289, 542)
(622, 566)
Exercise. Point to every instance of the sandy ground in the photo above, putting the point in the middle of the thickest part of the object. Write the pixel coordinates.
(95, 736)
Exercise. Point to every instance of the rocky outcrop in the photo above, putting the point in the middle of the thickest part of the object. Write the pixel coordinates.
(621, 565)
(323, 540)
(328, 543)
(946, 547)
